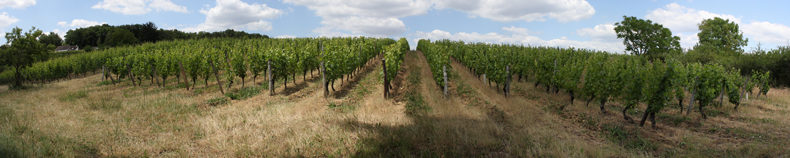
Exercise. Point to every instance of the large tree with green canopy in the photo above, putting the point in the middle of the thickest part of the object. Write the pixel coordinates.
(22, 50)
(643, 37)
(724, 36)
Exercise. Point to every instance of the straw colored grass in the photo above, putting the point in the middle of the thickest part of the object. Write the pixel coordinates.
(84, 118)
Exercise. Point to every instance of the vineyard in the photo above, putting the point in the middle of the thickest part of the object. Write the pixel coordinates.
(224, 59)
(330, 97)
(599, 75)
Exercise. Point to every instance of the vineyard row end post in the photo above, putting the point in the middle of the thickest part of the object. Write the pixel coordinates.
(507, 85)
(269, 75)
(216, 74)
(386, 88)
(444, 71)
(103, 73)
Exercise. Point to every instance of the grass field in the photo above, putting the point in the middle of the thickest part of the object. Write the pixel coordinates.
(87, 118)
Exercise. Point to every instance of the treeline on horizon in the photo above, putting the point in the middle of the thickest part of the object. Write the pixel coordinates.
(106, 36)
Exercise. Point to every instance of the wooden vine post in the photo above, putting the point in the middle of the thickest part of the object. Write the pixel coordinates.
(269, 76)
(180, 65)
(111, 79)
(129, 68)
(216, 74)
(103, 72)
(507, 85)
(323, 71)
(444, 71)
(693, 93)
(386, 88)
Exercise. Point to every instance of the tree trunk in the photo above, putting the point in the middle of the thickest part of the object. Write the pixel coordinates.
(759, 89)
(572, 97)
(219, 83)
(653, 119)
(680, 105)
(18, 76)
(155, 77)
(721, 99)
(386, 87)
(186, 81)
(644, 116)
(591, 99)
(693, 95)
(269, 77)
(603, 102)
(702, 112)
(131, 77)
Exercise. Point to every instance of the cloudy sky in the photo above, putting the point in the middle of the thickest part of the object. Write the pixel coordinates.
(576, 23)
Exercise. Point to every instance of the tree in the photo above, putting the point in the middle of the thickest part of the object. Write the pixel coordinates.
(722, 35)
(22, 51)
(120, 37)
(643, 37)
(51, 39)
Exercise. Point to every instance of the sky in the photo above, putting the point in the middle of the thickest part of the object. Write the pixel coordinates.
(562, 23)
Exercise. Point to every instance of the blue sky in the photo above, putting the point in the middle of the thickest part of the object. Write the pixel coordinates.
(574, 23)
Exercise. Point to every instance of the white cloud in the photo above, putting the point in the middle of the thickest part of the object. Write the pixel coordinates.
(380, 17)
(767, 32)
(285, 36)
(526, 10)
(365, 8)
(614, 47)
(260, 25)
(79, 23)
(166, 5)
(63, 23)
(138, 7)
(367, 25)
(681, 19)
(6, 20)
(370, 17)
(235, 14)
(327, 31)
(687, 41)
(600, 32)
(17, 4)
(516, 30)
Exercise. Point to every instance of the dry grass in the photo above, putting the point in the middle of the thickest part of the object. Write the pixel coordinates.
(83, 118)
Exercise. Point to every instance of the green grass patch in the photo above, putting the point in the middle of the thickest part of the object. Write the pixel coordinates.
(244, 93)
(341, 107)
(72, 96)
(742, 133)
(415, 103)
(414, 76)
(716, 112)
(674, 120)
(105, 82)
(105, 104)
(588, 121)
(464, 90)
(217, 101)
(628, 138)
(756, 120)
